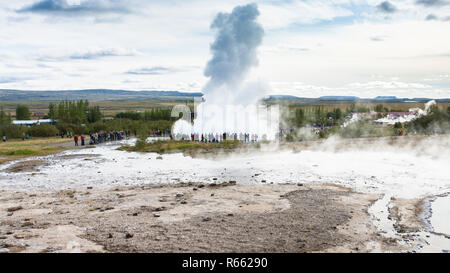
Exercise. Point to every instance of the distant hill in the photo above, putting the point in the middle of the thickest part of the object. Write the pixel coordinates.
(94, 95)
(379, 99)
(386, 98)
(127, 95)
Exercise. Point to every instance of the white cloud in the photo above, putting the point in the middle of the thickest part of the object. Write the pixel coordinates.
(304, 42)
(362, 90)
(92, 53)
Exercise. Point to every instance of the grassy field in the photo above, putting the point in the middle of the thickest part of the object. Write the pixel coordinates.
(16, 149)
(187, 147)
(392, 106)
(109, 108)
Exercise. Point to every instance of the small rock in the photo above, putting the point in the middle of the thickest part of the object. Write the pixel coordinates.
(232, 182)
(128, 235)
(159, 158)
(18, 236)
(201, 186)
(230, 214)
(194, 189)
(215, 178)
(135, 214)
(4, 250)
(263, 181)
(110, 235)
(14, 208)
(89, 188)
(159, 209)
(10, 213)
(183, 202)
(206, 219)
(212, 194)
(156, 215)
(2, 237)
(27, 224)
(180, 194)
(257, 194)
(300, 184)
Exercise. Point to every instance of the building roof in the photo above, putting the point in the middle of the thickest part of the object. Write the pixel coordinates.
(31, 122)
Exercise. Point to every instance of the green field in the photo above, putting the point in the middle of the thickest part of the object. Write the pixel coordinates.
(16, 149)
(172, 146)
(109, 108)
(392, 106)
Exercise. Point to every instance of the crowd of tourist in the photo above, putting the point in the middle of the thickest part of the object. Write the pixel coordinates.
(211, 137)
(101, 137)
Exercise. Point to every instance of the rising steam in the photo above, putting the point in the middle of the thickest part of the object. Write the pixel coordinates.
(230, 103)
(234, 52)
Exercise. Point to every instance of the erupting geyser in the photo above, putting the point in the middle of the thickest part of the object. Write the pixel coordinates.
(231, 104)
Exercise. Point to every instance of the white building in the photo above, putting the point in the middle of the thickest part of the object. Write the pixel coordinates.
(32, 122)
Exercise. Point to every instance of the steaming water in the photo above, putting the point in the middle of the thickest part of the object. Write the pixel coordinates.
(440, 219)
(379, 212)
(391, 172)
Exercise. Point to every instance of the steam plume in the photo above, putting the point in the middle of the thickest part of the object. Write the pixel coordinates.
(230, 103)
(234, 51)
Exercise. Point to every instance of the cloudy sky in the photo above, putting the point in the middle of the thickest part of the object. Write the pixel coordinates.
(311, 48)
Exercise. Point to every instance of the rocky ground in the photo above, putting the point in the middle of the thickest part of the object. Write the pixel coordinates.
(191, 217)
(407, 215)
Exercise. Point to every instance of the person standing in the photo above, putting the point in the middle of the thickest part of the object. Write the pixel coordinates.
(75, 138)
(82, 140)
(4, 138)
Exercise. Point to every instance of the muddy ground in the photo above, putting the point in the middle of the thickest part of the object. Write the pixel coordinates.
(26, 166)
(191, 218)
(406, 214)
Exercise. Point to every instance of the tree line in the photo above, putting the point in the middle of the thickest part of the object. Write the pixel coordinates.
(79, 117)
(315, 116)
(75, 112)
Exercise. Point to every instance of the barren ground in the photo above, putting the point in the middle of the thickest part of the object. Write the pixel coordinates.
(191, 217)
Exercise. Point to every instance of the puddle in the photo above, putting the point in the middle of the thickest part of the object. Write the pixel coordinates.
(436, 217)
(434, 243)
(440, 216)
(379, 211)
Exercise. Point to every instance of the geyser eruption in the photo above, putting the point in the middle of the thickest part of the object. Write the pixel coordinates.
(231, 104)
(234, 53)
